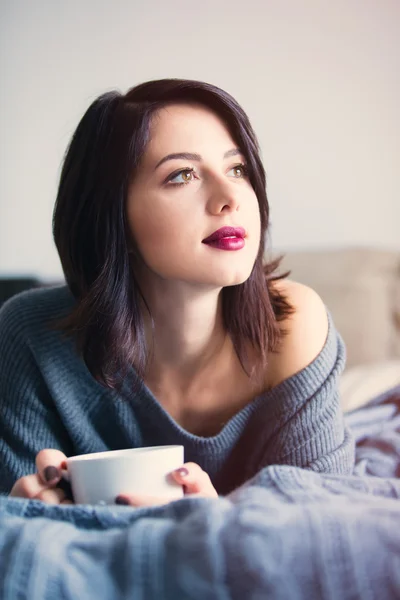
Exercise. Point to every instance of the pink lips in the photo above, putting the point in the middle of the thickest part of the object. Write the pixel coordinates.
(227, 238)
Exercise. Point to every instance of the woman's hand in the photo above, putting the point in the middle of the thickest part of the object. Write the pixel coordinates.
(195, 482)
(42, 485)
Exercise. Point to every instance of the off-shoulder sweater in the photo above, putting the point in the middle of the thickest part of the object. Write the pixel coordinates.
(49, 399)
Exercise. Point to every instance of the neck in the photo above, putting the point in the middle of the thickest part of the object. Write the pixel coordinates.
(188, 341)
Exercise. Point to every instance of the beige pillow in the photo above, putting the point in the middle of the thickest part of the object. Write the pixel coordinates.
(360, 384)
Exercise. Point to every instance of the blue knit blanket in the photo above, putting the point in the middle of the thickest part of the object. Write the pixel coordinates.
(287, 534)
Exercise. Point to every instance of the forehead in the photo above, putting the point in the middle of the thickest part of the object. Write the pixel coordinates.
(186, 128)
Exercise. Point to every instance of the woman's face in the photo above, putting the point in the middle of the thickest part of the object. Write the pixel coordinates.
(174, 203)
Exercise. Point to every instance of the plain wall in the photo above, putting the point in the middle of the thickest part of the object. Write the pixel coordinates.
(319, 80)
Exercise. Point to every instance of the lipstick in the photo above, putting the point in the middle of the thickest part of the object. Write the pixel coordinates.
(227, 238)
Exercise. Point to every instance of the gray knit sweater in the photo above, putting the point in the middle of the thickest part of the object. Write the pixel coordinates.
(48, 399)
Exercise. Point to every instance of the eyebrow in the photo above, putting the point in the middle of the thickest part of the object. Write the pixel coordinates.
(193, 156)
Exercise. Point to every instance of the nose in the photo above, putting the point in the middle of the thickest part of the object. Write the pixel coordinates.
(223, 197)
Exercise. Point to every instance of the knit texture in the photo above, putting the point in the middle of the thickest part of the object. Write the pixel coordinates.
(48, 399)
(288, 534)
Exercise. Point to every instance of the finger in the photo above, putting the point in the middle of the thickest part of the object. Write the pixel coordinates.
(27, 487)
(51, 496)
(194, 480)
(139, 500)
(49, 463)
(65, 485)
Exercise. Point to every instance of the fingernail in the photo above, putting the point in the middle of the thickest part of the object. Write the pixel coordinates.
(51, 473)
(183, 472)
(121, 500)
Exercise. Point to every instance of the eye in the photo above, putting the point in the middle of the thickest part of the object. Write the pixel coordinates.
(239, 171)
(187, 175)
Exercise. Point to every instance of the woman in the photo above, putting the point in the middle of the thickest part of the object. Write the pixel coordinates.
(170, 329)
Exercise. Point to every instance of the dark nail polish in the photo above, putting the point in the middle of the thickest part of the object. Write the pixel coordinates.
(51, 473)
(121, 500)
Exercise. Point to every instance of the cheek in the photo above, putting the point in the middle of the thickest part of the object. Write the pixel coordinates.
(156, 229)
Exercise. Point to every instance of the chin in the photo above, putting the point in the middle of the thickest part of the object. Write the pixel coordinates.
(227, 279)
(237, 281)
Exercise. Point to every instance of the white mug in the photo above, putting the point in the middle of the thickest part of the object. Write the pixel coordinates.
(99, 477)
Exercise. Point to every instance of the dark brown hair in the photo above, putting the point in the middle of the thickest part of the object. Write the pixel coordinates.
(92, 238)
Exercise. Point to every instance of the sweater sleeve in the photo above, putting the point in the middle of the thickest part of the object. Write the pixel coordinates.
(28, 418)
(299, 422)
(314, 432)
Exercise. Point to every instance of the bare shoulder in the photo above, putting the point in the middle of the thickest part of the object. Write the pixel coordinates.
(307, 330)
